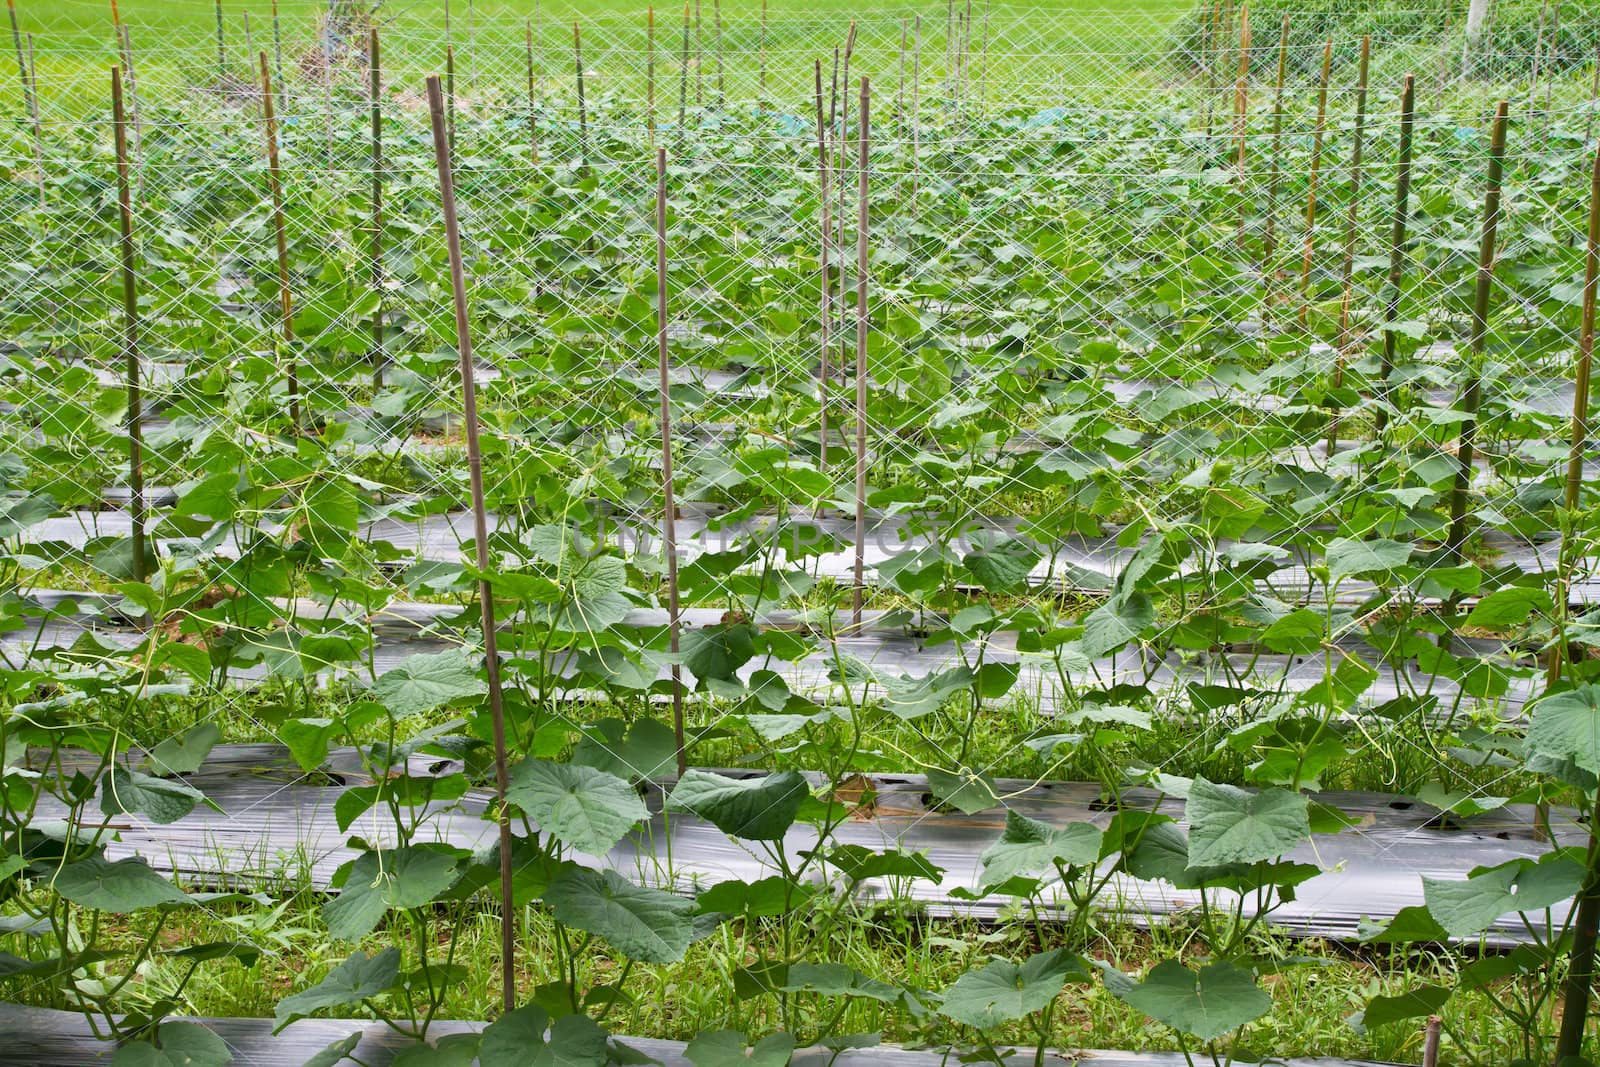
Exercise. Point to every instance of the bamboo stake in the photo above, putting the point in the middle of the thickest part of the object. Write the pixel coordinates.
(841, 168)
(916, 115)
(538, 74)
(1444, 69)
(249, 40)
(864, 142)
(38, 128)
(1538, 61)
(1594, 98)
(126, 46)
(650, 72)
(1352, 219)
(669, 516)
(983, 76)
(375, 90)
(950, 54)
(1580, 395)
(1550, 79)
(450, 95)
(277, 60)
(22, 62)
(967, 51)
(824, 206)
(1397, 248)
(900, 95)
(1430, 1041)
(472, 45)
(1269, 239)
(285, 297)
(1468, 432)
(30, 92)
(763, 50)
(130, 334)
(699, 61)
(533, 93)
(1310, 247)
(833, 95)
(683, 78)
(222, 51)
(716, 8)
(327, 95)
(1241, 110)
(458, 289)
(1213, 52)
(583, 115)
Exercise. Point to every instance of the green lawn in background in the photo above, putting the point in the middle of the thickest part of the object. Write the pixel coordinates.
(1070, 42)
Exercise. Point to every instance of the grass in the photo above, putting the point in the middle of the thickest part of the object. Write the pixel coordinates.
(175, 43)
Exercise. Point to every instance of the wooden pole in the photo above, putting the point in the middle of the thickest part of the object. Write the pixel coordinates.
(1444, 70)
(1430, 1041)
(450, 96)
(1594, 98)
(285, 297)
(683, 78)
(249, 39)
(1352, 220)
(1213, 52)
(125, 41)
(38, 127)
(833, 94)
(1397, 248)
(1310, 247)
(222, 51)
(30, 90)
(533, 93)
(650, 73)
(1580, 395)
(864, 143)
(1538, 62)
(967, 53)
(458, 289)
(277, 60)
(950, 54)
(983, 76)
(130, 334)
(916, 113)
(842, 166)
(722, 95)
(1468, 432)
(327, 97)
(900, 95)
(1550, 78)
(763, 50)
(669, 516)
(583, 115)
(1241, 111)
(375, 92)
(824, 208)
(1269, 239)
(22, 62)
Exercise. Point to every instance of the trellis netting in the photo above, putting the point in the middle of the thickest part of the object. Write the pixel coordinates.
(1205, 381)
